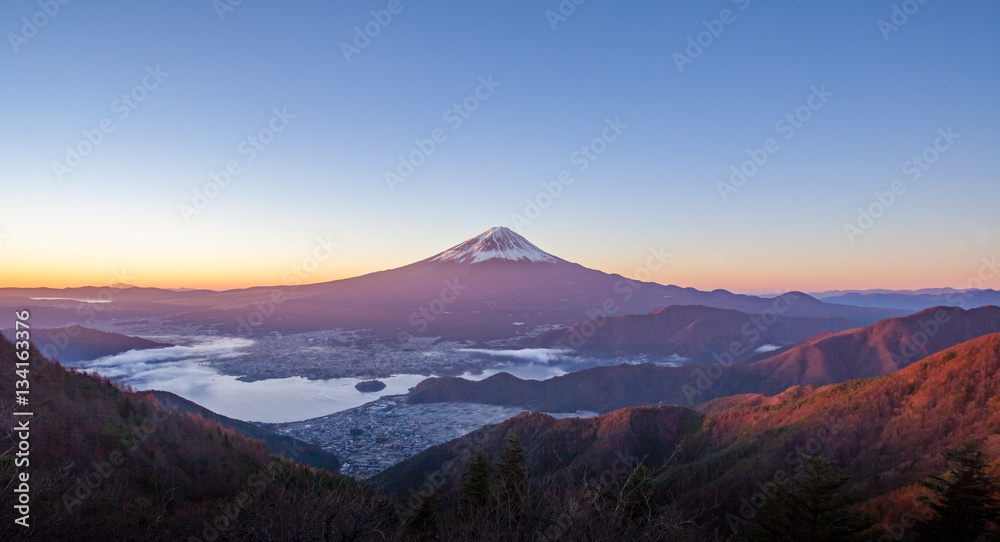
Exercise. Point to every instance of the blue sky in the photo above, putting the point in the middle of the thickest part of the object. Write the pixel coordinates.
(555, 89)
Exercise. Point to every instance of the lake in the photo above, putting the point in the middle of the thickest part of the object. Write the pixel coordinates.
(184, 370)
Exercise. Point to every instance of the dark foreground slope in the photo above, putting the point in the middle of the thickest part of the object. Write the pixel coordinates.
(878, 349)
(569, 447)
(279, 445)
(887, 432)
(103, 463)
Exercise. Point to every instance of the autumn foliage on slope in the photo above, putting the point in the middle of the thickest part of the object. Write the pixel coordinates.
(878, 349)
(886, 433)
(109, 464)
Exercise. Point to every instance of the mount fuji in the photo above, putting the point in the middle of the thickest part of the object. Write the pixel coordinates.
(496, 285)
(498, 243)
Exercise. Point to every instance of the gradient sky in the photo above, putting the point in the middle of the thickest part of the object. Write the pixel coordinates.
(655, 186)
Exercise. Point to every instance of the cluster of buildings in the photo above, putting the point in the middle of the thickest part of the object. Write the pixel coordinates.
(377, 435)
(321, 355)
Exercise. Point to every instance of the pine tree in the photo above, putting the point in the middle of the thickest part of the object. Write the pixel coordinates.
(812, 507)
(513, 474)
(966, 501)
(476, 481)
(513, 501)
(422, 519)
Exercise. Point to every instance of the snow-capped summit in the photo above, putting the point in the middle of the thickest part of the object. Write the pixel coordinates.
(497, 243)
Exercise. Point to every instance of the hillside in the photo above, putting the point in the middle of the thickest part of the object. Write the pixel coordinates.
(105, 463)
(690, 331)
(887, 432)
(878, 349)
(78, 343)
(279, 445)
(875, 350)
(569, 448)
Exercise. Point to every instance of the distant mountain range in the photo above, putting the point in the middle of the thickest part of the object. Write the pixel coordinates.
(693, 332)
(922, 291)
(492, 286)
(827, 358)
(908, 301)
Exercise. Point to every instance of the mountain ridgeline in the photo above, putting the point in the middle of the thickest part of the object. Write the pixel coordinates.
(829, 358)
(888, 433)
(488, 287)
(915, 301)
(693, 332)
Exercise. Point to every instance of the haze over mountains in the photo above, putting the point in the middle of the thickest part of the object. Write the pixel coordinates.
(492, 286)
(694, 332)
(78, 343)
(917, 300)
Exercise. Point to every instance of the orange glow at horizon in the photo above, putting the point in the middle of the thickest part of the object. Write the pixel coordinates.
(754, 276)
(58, 280)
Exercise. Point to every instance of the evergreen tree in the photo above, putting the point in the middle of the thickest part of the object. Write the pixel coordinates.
(966, 501)
(812, 507)
(476, 481)
(422, 519)
(513, 474)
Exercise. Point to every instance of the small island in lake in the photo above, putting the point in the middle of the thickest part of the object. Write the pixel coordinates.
(369, 386)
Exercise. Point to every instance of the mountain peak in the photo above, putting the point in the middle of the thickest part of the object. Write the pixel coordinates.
(497, 243)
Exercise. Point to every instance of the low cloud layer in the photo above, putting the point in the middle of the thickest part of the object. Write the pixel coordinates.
(532, 355)
(186, 371)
